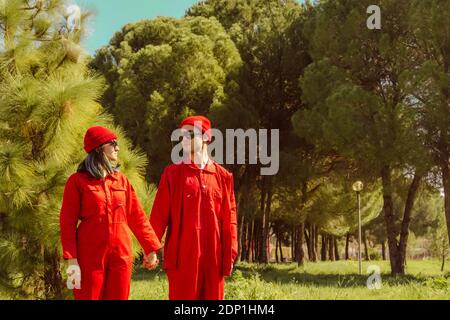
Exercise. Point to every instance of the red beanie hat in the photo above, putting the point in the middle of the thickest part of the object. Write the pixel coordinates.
(205, 124)
(96, 136)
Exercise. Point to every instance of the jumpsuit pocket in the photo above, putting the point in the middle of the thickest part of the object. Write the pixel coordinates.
(190, 195)
(119, 205)
(92, 203)
(217, 200)
(217, 196)
(190, 207)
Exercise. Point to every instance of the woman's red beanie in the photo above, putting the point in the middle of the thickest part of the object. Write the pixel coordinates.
(96, 136)
(205, 124)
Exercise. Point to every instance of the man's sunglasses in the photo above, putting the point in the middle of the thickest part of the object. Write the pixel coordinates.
(189, 134)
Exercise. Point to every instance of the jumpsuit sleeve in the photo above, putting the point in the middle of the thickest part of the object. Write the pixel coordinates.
(139, 224)
(68, 218)
(233, 221)
(159, 217)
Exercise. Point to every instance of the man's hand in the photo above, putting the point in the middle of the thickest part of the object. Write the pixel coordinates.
(150, 261)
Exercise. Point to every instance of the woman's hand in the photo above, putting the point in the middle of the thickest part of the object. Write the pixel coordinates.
(150, 261)
(74, 274)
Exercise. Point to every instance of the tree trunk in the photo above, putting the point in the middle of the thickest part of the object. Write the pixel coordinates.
(444, 253)
(383, 249)
(245, 247)
(2, 218)
(293, 245)
(323, 253)
(388, 208)
(397, 250)
(255, 242)
(316, 242)
(347, 244)
(281, 247)
(240, 236)
(251, 243)
(301, 231)
(276, 250)
(266, 201)
(446, 183)
(267, 225)
(331, 248)
(308, 240)
(246, 244)
(366, 249)
(404, 231)
(259, 239)
(312, 245)
(300, 253)
(262, 248)
(336, 249)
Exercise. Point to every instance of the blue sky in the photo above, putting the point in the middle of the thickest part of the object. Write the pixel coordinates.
(111, 15)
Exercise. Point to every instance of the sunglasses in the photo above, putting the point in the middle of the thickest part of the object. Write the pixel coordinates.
(189, 134)
(113, 143)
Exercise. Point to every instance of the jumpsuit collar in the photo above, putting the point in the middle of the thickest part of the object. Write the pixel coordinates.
(210, 166)
(113, 176)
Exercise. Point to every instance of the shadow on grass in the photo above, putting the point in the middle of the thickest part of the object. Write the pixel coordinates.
(290, 274)
(294, 275)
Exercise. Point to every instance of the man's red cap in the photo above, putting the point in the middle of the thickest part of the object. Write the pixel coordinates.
(201, 122)
(96, 136)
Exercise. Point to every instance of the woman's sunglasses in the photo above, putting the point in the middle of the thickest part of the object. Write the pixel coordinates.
(113, 143)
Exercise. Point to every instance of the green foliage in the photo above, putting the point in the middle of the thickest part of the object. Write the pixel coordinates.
(335, 208)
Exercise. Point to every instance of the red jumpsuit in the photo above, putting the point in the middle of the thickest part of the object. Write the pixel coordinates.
(101, 242)
(198, 208)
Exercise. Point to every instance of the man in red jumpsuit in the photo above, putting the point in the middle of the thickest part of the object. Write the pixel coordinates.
(195, 202)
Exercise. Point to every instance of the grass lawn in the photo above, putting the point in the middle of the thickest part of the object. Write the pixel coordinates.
(321, 280)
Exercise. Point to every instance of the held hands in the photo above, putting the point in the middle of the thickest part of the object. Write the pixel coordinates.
(150, 261)
(74, 275)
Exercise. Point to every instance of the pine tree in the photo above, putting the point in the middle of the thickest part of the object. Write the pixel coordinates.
(48, 100)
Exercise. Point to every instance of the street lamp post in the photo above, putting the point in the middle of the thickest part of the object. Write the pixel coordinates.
(357, 187)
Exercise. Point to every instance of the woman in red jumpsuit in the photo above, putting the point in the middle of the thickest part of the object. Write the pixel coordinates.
(105, 203)
(195, 202)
